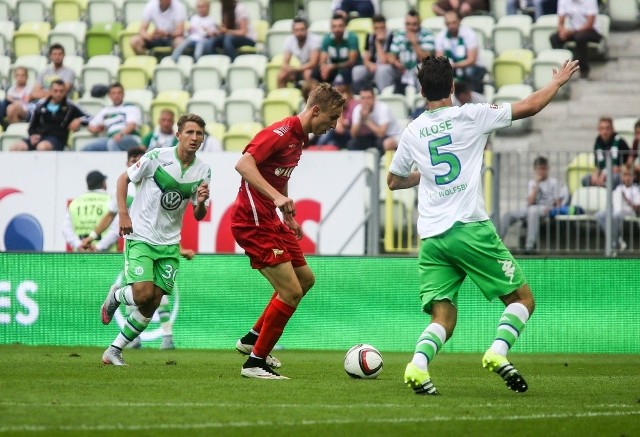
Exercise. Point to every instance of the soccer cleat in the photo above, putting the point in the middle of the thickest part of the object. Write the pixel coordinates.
(419, 380)
(246, 349)
(258, 368)
(167, 342)
(113, 355)
(500, 365)
(136, 343)
(110, 305)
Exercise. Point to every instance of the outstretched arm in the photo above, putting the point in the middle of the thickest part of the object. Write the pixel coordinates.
(541, 98)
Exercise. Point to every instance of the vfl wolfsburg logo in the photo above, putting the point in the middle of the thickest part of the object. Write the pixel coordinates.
(171, 199)
(154, 330)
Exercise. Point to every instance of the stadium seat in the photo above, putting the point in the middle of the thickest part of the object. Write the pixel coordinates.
(185, 63)
(625, 126)
(511, 94)
(292, 95)
(274, 109)
(590, 199)
(394, 8)
(79, 139)
(99, 70)
(176, 101)
(124, 39)
(142, 99)
(544, 64)
(205, 108)
(261, 28)
(101, 39)
(168, 77)
(71, 35)
(483, 26)
(92, 105)
(285, 24)
(216, 130)
(136, 71)
(394, 24)
(623, 13)
(581, 165)
(216, 97)
(67, 10)
(361, 27)
(273, 67)
(512, 67)
(243, 105)
(103, 11)
(397, 103)
(511, 32)
(30, 38)
(132, 11)
(205, 77)
(434, 24)
(541, 30)
(7, 28)
(5, 65)
(320, 27)
(425, 8)
(318, 9)
(14, 132)
(238, 135)
(275, 41)
(246, 72)
(498, 8)
(219, 62)
(32, 11)
(7, 10)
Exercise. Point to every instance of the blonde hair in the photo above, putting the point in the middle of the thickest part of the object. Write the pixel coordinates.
(326, 97)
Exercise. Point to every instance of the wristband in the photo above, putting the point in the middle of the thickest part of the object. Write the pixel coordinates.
(93, 235)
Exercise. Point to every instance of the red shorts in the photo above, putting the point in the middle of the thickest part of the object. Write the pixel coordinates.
(268, 246)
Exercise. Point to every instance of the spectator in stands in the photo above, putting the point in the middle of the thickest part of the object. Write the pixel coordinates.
(633, 160)
(407, 48)
(626, 203)
(167, 17)
(462, 7)
(373, 124)
(163, 134)
(543, 195)
(85, 212)
(540, 7)
(54, 71)
(15, 104)
(577, 22)
(374, 59)
(235, 30)
(356, 8)
(460, 45)
(202, 27)
(52, 119)
(120, 122)
(305, 47)
(339, 53)
(341, 134)
(607, 141)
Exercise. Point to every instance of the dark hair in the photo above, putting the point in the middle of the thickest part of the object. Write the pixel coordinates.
(116, 85)
(300, 20)
(413, 13)
(135, 151)
(338, 16)
(436, 77)
(462, 87)
(637, 125)
(606, 119)
(367, 87)
(57, 82)
(229, 13)
(378, 18)
(56, 46)
(540, 161)
(184, 118)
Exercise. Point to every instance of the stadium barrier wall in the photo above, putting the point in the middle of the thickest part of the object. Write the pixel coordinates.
(583, 305)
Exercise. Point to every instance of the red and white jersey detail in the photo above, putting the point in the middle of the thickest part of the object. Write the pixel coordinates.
(276, 150)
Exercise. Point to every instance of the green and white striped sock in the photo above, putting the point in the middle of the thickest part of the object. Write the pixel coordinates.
(510, 327)
(429, 343)
(133, 327)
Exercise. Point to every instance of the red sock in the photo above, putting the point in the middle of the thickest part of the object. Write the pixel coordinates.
(258, 325)
(276, 317)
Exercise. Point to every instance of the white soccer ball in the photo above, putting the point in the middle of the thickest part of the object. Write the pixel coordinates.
(363, 361)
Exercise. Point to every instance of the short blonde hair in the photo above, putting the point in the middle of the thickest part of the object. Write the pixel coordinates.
(326, 97)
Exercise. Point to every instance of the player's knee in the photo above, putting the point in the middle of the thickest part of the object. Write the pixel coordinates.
(306, 283)
(144, 294)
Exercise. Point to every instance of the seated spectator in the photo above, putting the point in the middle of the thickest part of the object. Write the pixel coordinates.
(540, 7)
(14, 107)
(544, 194)
(54, 71)
(52, 119)
(168, 17)
(577, 22)
(611, 142)
(373, 124)
(202, 27)
(341, 135)
(374, 59)
(163, 134)
(407, 49)
(633, 161)
(460, 45)
(120, 122)
(303, 45)
(235, 30)
(462, 7)
(357, 8)
(339, 53)
(626, 203)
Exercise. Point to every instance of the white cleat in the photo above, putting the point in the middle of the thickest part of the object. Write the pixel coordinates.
(260, 373)
(113, 355)
(110, 305)
(246, 349)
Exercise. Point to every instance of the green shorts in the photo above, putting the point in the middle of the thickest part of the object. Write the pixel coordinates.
(145, 262)
(472, 249)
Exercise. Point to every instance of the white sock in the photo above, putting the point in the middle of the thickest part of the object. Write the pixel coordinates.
(125, 295)
(515, 310)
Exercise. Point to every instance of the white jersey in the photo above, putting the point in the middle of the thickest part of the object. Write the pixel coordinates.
(162, 191)
(447, 145)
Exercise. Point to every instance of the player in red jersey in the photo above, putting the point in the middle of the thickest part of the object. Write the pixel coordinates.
(271, 243)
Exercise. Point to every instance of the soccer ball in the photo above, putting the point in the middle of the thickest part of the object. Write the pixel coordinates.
(363, 361)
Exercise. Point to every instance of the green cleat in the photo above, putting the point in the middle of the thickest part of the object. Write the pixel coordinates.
(419, 380)
(500, 365)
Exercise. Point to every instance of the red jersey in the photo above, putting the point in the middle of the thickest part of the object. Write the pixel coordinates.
(276, 149)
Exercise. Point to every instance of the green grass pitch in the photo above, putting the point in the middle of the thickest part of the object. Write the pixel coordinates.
(56, 390)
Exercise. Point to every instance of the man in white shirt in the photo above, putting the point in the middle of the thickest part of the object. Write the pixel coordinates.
(120, 122)
(460, 45)
(168, 17)
(577, 22)
(446, 144)
(305, 47)
(202, 27)
(373, 124)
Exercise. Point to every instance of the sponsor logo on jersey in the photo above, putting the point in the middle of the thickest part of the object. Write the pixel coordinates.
(280, 131)
(171, 200)
(277, 252)
(284, 172)
(167, 164)
(508, 268)
(494, 106)
(138, 271)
